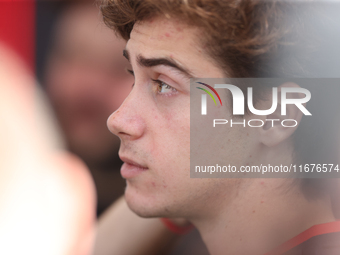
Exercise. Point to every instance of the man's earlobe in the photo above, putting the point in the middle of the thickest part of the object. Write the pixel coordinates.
(279, 127)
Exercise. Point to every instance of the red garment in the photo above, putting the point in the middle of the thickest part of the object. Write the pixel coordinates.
(17, 28)
(322, 239)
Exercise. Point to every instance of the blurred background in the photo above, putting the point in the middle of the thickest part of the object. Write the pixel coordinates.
(81, 68)
(75, 64)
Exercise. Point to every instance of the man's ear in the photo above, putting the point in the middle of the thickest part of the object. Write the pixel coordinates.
(273, 132)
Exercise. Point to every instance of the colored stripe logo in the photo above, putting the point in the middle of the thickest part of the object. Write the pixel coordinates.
(209, 93)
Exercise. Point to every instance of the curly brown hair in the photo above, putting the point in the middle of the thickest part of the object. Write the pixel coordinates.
(244, 37)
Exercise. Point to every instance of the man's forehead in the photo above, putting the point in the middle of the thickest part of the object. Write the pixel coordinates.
(163, 34)
(169, 38)
(159, 24)
(164, 29)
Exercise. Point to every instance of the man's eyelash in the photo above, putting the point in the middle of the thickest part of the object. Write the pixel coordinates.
(130, 72)
(157, 81)
(161, 83)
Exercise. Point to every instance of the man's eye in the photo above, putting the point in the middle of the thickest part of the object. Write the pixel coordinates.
(164, 88)
(130, 72)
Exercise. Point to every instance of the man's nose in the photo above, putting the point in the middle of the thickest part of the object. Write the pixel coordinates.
(127, 122)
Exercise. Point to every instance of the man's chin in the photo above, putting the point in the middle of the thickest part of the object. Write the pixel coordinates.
(143, 206)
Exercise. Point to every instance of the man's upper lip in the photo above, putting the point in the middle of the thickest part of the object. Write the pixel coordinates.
(131, 162)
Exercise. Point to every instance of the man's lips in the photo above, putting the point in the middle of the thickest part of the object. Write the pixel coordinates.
(131, 168)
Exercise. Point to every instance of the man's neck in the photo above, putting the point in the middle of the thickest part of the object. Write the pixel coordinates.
(264, 214)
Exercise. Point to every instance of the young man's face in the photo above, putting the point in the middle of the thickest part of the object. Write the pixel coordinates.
(154, 122)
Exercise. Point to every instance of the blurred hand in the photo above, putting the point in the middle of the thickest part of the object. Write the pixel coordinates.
(47, 202)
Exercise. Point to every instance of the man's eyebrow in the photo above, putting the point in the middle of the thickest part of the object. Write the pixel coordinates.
(150, 62)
